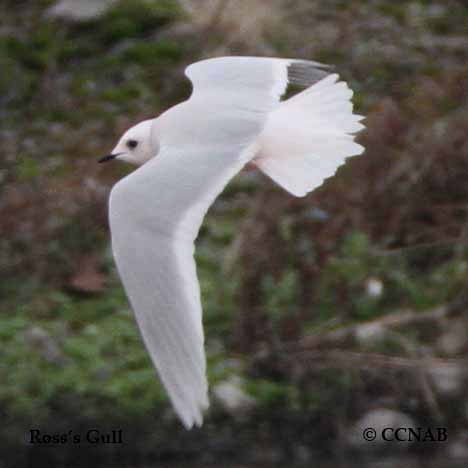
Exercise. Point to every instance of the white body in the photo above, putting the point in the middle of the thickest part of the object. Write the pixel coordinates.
(189, 154)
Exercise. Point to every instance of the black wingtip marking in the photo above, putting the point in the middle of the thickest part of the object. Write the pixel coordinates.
(306, 73)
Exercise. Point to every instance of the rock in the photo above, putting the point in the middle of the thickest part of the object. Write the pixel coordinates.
(374, 287)
(454, 339)
(79, 10)
(370, 333)
(447, 379)
(303, 454)
(458, 448)
(361, 435)
(317, 214)
(39, 339)
(400, 459)
(232, 397)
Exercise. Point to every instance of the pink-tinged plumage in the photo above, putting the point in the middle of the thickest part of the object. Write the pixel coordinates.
(307, 137)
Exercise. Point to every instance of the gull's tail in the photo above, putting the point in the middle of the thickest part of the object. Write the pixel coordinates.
(309, 136)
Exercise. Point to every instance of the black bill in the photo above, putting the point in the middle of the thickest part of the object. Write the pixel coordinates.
(109, 157)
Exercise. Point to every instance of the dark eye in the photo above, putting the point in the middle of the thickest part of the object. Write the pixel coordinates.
(132, 144)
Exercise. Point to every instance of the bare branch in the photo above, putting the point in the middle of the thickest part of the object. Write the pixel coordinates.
(380, 326)
(343, 359)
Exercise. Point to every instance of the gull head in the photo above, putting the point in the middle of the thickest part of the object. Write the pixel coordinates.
(135, 145)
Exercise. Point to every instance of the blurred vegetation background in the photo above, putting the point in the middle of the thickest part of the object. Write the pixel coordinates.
(323, 315)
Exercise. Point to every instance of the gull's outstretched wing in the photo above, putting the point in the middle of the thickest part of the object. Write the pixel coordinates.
(228, 74)
(156, 212)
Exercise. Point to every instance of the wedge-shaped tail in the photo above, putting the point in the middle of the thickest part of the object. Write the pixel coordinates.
(309, 136)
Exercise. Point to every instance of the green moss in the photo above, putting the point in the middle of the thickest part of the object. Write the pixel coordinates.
(17, 84)
(106, 363)
(122, 94)
(136, 18)
(75, 48)
(269, 393)
(280, 296)
(439, 25)
(395, 10)
(160, 52)
(27, 169)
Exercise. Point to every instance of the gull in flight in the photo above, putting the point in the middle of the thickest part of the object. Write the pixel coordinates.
(187, 155)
